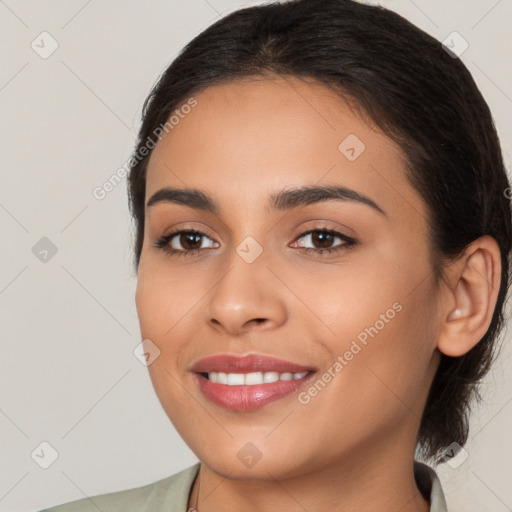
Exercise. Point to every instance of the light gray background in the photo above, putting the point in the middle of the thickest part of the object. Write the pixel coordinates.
(68, 375)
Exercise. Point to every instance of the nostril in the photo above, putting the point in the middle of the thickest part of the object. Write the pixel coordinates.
(259, 320)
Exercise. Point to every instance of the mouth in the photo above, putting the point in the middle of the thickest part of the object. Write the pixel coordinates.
(250, 382)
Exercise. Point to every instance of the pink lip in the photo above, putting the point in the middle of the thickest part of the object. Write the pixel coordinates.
(245, 397)
(245, 364)
(248, 398)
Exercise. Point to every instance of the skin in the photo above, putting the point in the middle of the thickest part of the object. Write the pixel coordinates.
(352, 446)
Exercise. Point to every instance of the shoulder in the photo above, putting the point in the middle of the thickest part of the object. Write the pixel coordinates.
(169, 494)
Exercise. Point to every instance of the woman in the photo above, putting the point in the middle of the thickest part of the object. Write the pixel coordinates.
(322, 250)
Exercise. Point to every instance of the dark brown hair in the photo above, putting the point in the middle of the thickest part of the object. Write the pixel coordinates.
(420, 95)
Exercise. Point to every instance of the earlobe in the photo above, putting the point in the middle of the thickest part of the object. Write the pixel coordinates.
(474, 285)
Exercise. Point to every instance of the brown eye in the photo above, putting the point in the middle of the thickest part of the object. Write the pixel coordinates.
(189, 240)
(184, 242)
(322, 239)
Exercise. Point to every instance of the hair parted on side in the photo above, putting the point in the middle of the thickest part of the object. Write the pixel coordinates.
(420, 96)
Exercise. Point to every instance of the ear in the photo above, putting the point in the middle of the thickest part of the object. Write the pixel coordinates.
(473, 284)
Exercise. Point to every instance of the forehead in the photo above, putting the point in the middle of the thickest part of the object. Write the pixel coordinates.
(253, 138)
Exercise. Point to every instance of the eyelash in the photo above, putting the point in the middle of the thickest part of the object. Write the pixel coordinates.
(163, 242)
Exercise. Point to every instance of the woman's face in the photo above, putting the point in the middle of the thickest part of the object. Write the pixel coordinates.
(363, 317)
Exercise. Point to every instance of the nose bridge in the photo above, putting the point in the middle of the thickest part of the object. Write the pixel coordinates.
(245, 292)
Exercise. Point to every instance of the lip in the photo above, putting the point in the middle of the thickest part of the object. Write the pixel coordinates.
(248, 397)
(244, 364)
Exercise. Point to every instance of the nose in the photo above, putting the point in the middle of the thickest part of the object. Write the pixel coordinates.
(245, 298)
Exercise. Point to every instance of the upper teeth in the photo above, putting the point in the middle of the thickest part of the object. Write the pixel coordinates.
(249, 379)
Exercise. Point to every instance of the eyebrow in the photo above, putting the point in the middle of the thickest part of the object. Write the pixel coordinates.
(283, 200)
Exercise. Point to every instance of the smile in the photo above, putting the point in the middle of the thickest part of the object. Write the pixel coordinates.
(248, 382)
(250, 391)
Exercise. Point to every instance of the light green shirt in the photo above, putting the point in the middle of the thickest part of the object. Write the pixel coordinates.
(171, 494)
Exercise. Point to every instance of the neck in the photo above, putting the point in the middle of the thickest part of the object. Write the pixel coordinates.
(377, 478)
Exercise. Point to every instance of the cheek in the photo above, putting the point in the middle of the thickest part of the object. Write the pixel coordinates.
(169, 307)
(381, 314)
(165, 317)
(351, 296)
(165, 302)
(150, 298)
(389, 375)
